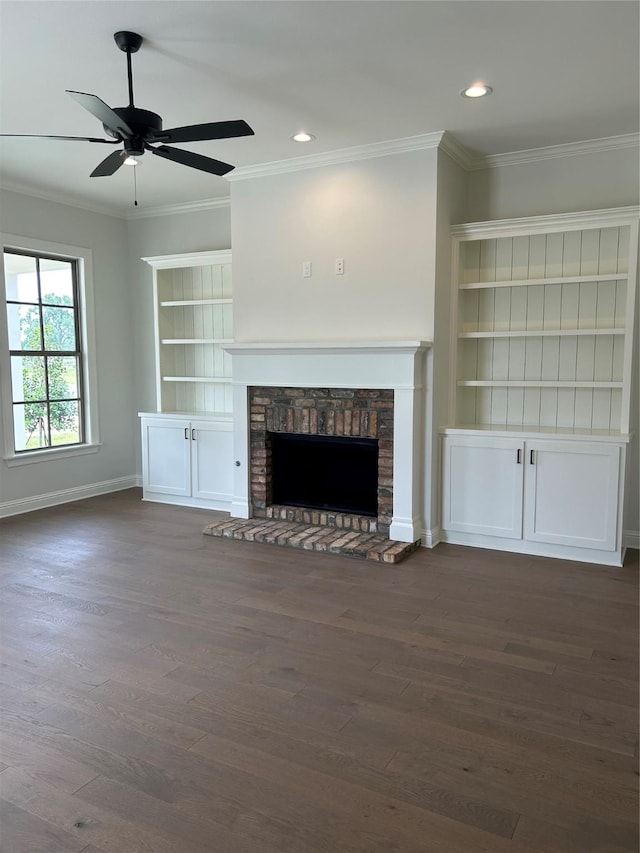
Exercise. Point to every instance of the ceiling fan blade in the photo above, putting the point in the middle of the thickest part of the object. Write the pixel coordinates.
(103, 113)
(202, 132)
(72, 138)
(109, 165)
(195, 161)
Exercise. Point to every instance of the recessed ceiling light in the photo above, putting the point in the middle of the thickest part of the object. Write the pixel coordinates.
(478, 90)
(303, 136)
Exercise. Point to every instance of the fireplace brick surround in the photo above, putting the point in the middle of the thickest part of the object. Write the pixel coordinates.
(341, 412)
(359, 388)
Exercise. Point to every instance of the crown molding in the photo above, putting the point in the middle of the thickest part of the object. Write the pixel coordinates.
(189, 259)
(458, 153)
(59, 198)
(183, 207)
(422, 142)
(543, 224)
(550, 152)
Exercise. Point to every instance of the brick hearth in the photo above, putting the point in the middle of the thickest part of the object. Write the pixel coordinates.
(309, 537)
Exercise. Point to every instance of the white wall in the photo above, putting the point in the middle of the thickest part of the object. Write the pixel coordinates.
(564, 185)
(377, 214)
(106, 237)
(559, 185)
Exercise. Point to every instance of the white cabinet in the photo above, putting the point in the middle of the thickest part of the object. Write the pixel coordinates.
(571, 493)
(187, 460)
(539, 496)
(482, 486)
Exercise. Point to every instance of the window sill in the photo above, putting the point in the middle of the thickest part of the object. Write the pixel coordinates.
(51, 454)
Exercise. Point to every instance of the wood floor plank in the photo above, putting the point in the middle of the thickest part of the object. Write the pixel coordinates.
(165, 691)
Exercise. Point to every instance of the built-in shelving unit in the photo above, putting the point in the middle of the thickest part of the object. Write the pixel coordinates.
(193, 316)
(534, 454)
(543, 313)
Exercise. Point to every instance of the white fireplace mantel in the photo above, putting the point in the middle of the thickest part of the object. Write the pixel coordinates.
(397, 365)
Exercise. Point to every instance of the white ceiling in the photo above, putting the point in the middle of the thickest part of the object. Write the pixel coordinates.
(352, 73)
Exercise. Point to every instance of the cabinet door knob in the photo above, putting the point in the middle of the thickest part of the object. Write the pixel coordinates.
(186, 433)
(193, 435)
(531, 462)
(519, 456)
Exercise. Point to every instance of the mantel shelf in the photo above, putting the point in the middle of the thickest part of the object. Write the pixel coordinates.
(527, 282)
(541, 333)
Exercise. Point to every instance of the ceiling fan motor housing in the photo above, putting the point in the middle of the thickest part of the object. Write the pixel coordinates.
(141, 122)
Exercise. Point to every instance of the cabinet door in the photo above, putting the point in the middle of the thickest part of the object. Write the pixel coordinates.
(482, 489)
(212, 461)
(571, 493)
(166, 456)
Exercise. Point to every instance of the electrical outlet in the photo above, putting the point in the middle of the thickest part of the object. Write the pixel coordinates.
(339, 266)
(306, 269)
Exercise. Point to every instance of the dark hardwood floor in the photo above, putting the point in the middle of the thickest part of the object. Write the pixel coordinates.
(162, 690)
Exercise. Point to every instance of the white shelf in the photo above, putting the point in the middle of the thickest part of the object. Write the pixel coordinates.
(541, 333)
(177, 341)
(209, 379)
(572, 433)
(527, 282)
(534, 383)
(175, 303)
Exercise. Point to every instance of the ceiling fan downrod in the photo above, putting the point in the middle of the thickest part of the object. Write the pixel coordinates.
(129, 43)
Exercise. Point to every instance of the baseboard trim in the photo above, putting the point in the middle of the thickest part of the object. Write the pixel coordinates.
(431, 538)
(77, 493)
(631, 539)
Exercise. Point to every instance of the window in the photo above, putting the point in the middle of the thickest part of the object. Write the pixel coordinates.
(45, 399)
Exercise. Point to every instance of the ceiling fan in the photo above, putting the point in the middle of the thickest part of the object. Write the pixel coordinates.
(138, 128)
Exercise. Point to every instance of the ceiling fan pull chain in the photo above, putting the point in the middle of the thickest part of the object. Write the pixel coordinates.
(135, 187)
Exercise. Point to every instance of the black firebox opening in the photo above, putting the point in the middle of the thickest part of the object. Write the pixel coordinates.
(325, 472)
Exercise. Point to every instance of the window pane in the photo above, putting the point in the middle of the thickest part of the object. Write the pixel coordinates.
(27, 378)
(20, 277)
(63, 377)
(56, 281)
(65, 423)
(30, 426)
(59, 329)
(24, 327)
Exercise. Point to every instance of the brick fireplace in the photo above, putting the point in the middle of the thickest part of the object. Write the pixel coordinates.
(340, 412)
(348, 389)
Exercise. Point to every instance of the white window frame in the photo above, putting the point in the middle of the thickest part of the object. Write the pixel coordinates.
(83, 258)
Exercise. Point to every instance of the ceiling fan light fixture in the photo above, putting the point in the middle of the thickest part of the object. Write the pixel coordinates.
(303, 136)
(131, 161)
(477, 90)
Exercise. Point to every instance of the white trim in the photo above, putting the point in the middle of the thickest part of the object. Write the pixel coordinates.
(631, 539)
(189, 259)
(86, 309)
(539, 224)
(50, 454)
(458, 153)
(422, 142)
(67, 496)
(551, 152)
(327, 348)
(431, 538)
(60, 198)
(183, 207)
(539, 549)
